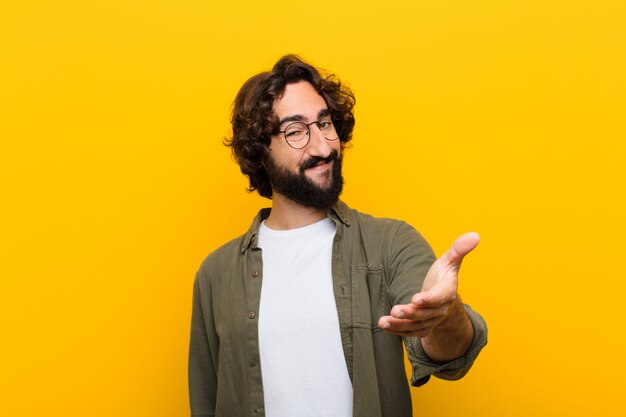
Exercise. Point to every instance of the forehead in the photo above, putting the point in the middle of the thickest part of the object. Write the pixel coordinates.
(299, 98)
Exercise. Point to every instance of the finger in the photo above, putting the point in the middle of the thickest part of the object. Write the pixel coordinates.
(463, 245)
(403, 325)
(406, 327)
(434, 297)
(413, 312)
(418, 333)
(404, 311)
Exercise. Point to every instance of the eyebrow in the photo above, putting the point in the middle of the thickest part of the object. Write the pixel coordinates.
(300, 118)
(323, 113)
(294, 118)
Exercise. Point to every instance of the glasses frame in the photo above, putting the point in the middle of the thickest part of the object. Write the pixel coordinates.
(308, 129)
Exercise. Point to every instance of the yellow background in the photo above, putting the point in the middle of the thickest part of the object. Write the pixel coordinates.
(504, 117)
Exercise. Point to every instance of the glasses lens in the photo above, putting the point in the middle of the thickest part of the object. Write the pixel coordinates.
(327, 128)
(297, 135)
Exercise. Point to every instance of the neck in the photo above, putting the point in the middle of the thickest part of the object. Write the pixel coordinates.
(287, 214)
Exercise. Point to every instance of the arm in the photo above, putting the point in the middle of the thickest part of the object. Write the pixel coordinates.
(451, 337)
(202, 369)
(436, 314)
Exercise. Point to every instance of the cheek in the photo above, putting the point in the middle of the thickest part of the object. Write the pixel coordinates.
(286, 158)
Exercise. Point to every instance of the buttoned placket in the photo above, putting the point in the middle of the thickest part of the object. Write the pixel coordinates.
(253, 275)
(341, 288)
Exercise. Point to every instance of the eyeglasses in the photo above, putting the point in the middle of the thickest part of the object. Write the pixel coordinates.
(298, 134)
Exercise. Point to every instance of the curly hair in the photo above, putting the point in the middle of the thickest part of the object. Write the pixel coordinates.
(254, 121)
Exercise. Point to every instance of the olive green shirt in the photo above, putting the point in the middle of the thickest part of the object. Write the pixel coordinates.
(376, 264)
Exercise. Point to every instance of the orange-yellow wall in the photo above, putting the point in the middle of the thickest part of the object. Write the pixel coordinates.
(503, 117)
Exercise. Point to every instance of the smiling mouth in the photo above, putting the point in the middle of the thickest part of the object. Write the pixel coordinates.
(321, 165)
(318, 164)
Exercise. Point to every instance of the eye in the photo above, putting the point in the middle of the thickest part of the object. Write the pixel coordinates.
(295, 132)
(324, 124)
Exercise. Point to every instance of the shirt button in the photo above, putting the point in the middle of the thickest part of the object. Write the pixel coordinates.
(251, 315)
(255, 274)
(251, 364)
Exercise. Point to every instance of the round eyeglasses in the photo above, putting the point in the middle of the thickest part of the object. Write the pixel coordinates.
(298, 134)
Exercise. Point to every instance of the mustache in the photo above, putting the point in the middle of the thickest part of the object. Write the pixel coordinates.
(314, 160)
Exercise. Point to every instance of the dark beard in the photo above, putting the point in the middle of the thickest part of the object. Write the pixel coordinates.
(300, 189)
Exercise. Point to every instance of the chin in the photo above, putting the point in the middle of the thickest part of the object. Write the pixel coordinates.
(324, 185)
(323, 179)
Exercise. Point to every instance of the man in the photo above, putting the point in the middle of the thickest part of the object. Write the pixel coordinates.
(305, 314)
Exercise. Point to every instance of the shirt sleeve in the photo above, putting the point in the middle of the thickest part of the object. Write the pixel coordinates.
(424, 367)
(410, 259)
(202, 358)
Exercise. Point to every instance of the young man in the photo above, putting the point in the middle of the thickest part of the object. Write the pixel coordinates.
(305, 314)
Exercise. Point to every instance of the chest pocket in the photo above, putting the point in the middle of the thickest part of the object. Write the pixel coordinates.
(369, 295)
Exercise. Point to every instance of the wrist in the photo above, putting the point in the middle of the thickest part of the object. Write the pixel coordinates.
(451, 337)
(456, 314)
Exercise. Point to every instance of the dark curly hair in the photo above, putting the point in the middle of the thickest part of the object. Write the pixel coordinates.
(254, 122)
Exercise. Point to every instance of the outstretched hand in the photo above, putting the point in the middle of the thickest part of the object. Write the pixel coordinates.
(433, 304)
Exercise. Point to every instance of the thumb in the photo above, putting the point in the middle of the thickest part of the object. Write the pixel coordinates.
(463, 245)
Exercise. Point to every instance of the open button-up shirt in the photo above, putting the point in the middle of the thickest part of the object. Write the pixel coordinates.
(376, 264)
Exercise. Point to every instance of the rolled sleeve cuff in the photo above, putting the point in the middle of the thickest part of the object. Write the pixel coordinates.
(424, 367)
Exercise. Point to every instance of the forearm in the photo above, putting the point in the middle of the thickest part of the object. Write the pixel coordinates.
(451, 338)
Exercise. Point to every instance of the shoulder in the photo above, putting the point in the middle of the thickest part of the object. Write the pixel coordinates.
(382, 227)
(223, 254)
(222, 259)
(226, 259)
(382, 234)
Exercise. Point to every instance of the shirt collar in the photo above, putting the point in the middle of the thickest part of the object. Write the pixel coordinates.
(338, 212)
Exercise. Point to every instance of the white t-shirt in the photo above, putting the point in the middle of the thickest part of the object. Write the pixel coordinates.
(302, 361)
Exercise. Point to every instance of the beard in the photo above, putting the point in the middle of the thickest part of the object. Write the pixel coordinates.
(300, 188)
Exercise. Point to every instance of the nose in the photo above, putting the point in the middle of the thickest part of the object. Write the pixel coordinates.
(318, 144)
